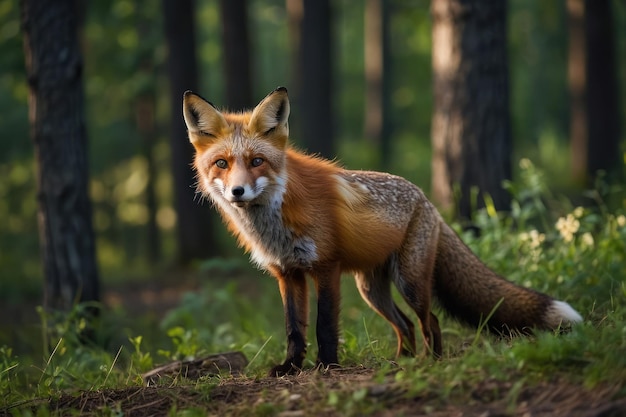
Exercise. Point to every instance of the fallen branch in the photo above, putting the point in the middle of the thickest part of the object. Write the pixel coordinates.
(230, 362)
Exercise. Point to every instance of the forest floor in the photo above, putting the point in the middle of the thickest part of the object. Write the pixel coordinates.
(336, 392)
(307, 394)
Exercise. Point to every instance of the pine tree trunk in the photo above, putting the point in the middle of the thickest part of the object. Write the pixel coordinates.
(54, 68)
(236, 49)
(315, 108)
(577, 80)
(145, 104)
(195, 235)
(603, 148)
(377, 78)
(471, 131)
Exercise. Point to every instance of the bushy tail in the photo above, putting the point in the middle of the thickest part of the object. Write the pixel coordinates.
(470, 292)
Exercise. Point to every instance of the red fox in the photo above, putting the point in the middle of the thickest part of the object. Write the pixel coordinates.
(300, 215)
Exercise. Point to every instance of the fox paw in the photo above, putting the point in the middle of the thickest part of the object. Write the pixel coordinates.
(283, 369)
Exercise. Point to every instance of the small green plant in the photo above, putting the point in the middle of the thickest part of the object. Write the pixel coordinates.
(185, 341)
(139, 359)
(8, 373)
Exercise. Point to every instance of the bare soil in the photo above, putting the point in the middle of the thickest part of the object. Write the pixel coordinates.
(307, 395)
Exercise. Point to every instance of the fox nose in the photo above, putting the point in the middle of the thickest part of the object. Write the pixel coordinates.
(238, 191)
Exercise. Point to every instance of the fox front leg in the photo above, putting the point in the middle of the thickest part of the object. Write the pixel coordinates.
(293, 290)
(327, 284)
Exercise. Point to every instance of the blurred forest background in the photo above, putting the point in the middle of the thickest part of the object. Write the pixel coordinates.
(243, 50)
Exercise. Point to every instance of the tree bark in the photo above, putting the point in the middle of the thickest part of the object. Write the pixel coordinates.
(54, 69)
(145, 109)
(316, 111)
(377, 78)
(146, 125)
(471, 132)
(603, 147)
(195, 234)
(577, 83)
(236, 49)
(295, 14)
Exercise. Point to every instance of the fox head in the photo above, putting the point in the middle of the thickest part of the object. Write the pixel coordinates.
(240, 157)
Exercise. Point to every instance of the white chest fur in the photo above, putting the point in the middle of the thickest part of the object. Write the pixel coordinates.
(272, 243)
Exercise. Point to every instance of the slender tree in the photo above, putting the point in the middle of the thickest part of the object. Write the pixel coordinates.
(236, 49)
(294, 20)
(54, 68)
(377, 77)
(194, 225)
(471, 133)
(593, 88)
(603, 147)
(145, 122)
(577, 79)
(313, 90)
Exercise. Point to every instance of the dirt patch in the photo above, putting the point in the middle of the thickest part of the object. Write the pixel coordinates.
(348, 391)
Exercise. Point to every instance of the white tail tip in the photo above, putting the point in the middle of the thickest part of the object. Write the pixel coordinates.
(561, 314)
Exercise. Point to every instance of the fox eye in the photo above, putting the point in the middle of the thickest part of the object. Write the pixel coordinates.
(257, 162)
(221, 163)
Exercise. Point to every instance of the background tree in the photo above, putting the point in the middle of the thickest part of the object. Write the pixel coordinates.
(195, 235)
(603, 89)
(377, 78)
(145, 119)
(471, 135)
(314, 90)
(54, 69)
(577, 78)
(236, 48)
(593, 91)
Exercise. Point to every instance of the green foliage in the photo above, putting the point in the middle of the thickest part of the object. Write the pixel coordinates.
(8, 369)
(72, 357)
(141, 360)
(218, 318)
(350, 402)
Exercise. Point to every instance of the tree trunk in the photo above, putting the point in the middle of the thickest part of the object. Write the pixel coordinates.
(316, 112)
(471, 133)
(603, 147)
(54, 69)
(194, 227)
(145, 123)
(377, 78)
(236, 49)
(577, 80)
(295, 13)
(145, 108)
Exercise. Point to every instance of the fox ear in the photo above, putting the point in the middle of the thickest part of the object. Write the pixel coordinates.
(270, 116)
(204, 122)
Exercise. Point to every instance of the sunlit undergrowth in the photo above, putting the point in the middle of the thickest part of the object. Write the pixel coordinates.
(576, 254)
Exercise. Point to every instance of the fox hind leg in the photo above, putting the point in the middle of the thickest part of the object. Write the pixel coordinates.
(414, 280)
(375, 288)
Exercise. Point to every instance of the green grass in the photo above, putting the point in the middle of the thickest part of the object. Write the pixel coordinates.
(574, 254)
